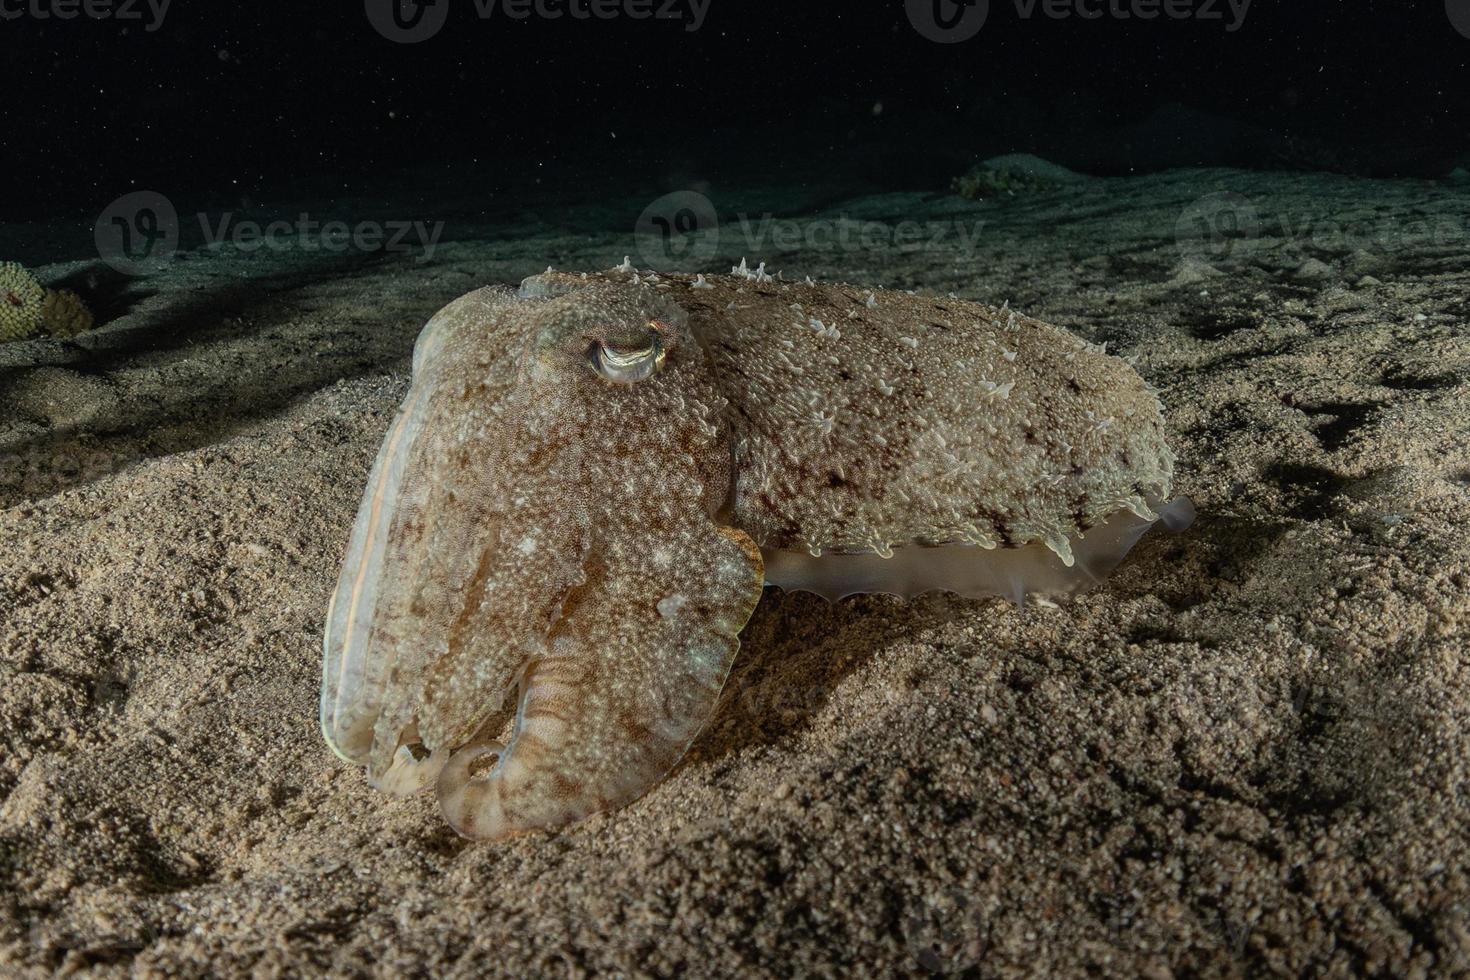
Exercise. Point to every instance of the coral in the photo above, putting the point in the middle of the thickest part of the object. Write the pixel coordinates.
(64, 314)
(22, 299)
(28, 308)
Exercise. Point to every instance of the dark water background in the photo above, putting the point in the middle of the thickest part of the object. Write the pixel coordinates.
(237, 102)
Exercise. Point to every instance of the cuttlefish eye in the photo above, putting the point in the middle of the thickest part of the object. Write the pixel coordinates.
(629, 366)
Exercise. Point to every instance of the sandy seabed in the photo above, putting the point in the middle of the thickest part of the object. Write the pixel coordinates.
(1248, 754)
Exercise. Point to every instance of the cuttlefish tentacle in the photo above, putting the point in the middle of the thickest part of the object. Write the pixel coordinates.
(634, 672)
(465, 629)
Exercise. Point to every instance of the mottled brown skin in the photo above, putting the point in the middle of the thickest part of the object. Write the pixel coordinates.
(865, 442)
(529, 539)
(579, 488)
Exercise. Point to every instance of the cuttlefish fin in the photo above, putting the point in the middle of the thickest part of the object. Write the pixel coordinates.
(628, 676)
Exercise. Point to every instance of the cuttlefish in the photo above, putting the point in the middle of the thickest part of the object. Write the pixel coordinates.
(592, 479)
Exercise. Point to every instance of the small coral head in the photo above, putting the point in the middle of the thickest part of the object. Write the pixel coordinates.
(21, 311)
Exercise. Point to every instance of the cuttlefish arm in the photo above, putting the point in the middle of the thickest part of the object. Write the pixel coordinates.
(631, 673)
(540, 535)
